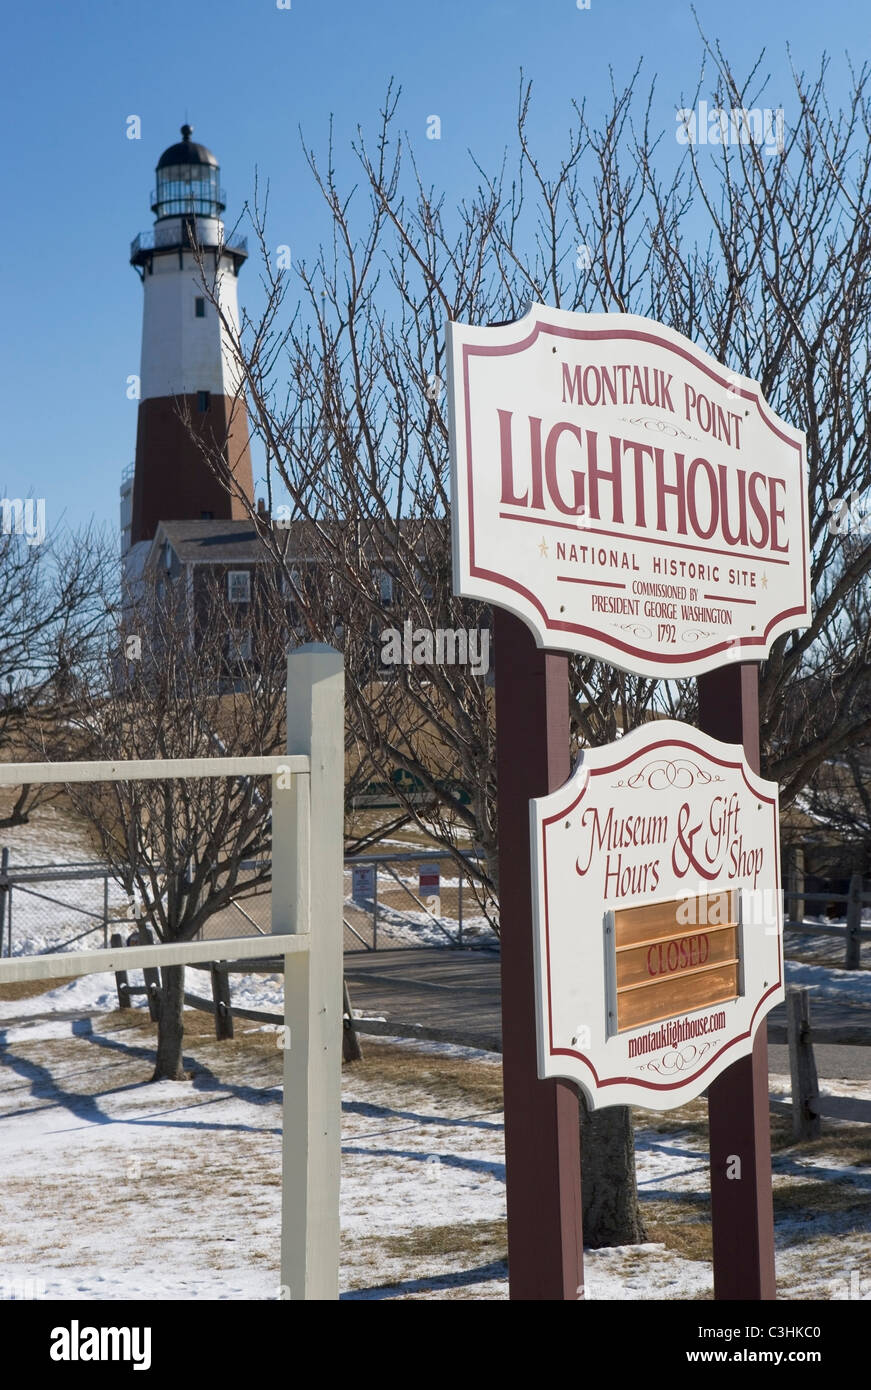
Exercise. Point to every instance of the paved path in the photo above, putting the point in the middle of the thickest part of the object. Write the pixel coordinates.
(445, 991)
(456, 994)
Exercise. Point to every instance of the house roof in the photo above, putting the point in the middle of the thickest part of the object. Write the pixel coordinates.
(229, 542)
(211, 542)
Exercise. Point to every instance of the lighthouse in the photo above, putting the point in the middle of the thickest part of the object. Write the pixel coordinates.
(190, 396)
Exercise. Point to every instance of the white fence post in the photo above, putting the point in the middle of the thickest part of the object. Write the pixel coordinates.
(311, 894)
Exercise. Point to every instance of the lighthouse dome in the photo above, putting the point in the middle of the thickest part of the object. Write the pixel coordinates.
(188, 181)
(187, 152)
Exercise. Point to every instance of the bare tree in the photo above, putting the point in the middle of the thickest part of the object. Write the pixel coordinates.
(838, 801)
(55, 601)
(759, 254)
(211, 688)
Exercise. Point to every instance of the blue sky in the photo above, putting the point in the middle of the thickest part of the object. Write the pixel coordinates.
(247, 75)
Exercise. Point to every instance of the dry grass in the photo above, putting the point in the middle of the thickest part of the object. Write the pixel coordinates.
(28, 989)
(230, 1060)
(385, 1262)
(54, 806)
(691, 1118)
(809, 1199)
(450, 1078)
(251, 1058)
(480, 1242)
(850, 1143)
(834, 961)
(683, 1225)
(93, 1073)
(369, 820)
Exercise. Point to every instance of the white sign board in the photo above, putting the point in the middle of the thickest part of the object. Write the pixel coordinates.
(362, 883)
(658, 916)
(623, 493)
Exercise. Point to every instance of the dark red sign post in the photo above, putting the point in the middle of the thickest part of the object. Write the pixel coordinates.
(542, 1139)
(742, 1212)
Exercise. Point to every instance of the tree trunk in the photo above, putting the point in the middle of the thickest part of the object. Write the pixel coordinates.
(611, 1214)
(170, 1026)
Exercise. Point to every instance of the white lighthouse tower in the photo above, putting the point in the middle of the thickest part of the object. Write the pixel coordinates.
(188, 379)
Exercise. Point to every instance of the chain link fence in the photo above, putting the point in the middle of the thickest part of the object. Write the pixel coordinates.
(55, 907)
(411, 900)
(392, 900)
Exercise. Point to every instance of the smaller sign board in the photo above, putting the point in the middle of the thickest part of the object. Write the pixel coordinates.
(428, 881)
(658, 916)
(363, 883)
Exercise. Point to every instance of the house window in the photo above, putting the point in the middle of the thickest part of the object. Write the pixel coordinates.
(239, 648)
(385, 587)
(200, 308)
(424, 583)
(203, 401)
(239, 586)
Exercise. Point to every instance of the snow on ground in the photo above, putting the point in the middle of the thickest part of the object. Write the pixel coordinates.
(46, 915)
(851, 987)
(89, 994)
(117, 1188)
(821, 945)
(108, 1191)
(643, 1272)
(171, 1190)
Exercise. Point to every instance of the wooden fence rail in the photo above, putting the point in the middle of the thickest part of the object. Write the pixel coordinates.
(852, 933)
(806, 1105)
